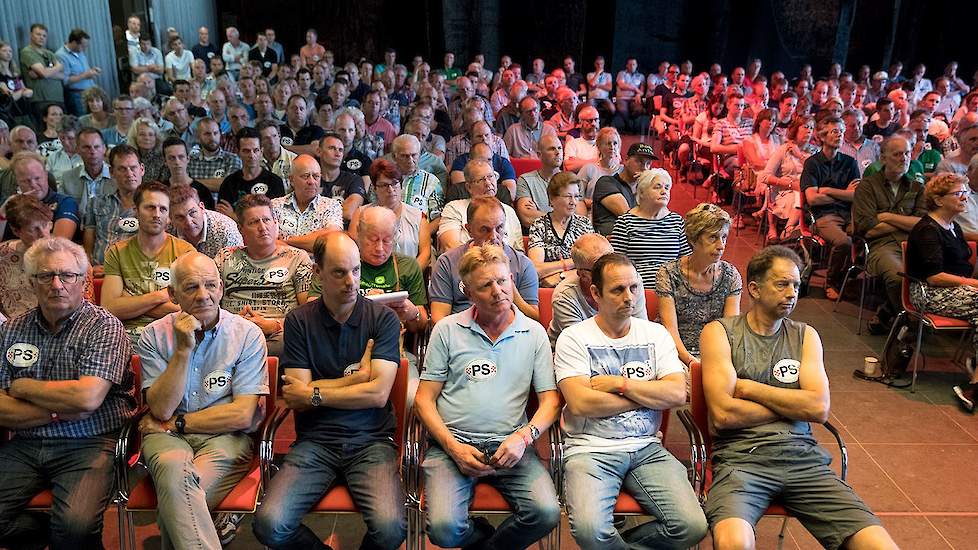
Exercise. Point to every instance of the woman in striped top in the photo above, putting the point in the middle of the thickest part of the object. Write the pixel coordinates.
(650, 234)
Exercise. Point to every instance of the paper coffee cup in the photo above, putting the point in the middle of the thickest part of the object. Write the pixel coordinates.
(870, 365)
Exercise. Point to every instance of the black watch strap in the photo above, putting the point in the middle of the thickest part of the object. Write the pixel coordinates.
(181, 424)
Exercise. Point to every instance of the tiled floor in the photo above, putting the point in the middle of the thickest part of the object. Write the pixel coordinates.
(911, 456)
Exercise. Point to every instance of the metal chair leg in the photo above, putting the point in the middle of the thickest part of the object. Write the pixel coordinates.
(842, 289)
(784, 527)
(917, 353)
(862, 300)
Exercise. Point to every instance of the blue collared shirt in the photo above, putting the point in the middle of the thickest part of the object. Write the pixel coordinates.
(487, 384)
(75, 63)
(229, 360)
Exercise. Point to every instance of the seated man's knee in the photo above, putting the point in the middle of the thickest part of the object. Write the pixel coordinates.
(78, 528)
(687, 529)
(387, 533)
(541, 514)
(270, 526)
(447, 532)
(590, 530)
(733, 534)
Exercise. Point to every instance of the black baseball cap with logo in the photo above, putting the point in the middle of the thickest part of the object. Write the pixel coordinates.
(642, 149)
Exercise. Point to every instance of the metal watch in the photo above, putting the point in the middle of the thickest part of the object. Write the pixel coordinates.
(317, 398)
(180, 424)
(534, 432)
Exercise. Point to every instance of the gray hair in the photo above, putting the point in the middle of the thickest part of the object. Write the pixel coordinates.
(402, 141)
(973, 163)
(42, 248)
(149, 123)
(385, 218)
(471, 165)
(358, 120)
(588, 248)
(648, 178)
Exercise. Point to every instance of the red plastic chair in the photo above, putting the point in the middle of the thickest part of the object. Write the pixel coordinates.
(937, 323)
(546, 298)
(243, 498)
(697, 422)
(651, 304)
(524, 165)
(97, 286)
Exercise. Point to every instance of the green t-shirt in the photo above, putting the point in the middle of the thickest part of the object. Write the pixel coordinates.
(45, 89)
(141, 274)
(916, 171)
(407, 277)
(929, 158)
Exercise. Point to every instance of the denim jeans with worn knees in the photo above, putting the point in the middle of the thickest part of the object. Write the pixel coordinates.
(527, 487)
(654, 478)
(79, 473)
(309, 470)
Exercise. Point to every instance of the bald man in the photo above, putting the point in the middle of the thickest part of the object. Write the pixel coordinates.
(305, 214)
(203, 373)
(340, 360)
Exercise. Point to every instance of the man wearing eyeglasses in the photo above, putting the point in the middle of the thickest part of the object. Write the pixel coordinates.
(521, 139)
(265, 279)
(480, 181)
(583, 149)
(65, 390)
(137, 270)
(532, 200)
(305, 214)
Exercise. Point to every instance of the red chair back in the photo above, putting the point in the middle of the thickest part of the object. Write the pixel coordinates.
(546, 297)
(524, 165)
(697, 402)
(97, 287)
(651, 304)
(398, 399)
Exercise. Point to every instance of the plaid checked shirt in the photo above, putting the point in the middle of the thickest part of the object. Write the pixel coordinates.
(90, 343)
(221, 165)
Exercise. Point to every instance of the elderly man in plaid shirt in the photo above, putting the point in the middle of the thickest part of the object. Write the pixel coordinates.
(65, 390)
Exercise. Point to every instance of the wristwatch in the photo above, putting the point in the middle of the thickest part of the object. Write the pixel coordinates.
(317, 398)
(534, 431)
(180, 423)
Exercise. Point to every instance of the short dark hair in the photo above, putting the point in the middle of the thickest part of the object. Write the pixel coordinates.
(88, 130)
(918, 113)
(181, 82)
(265, 124)
(38, 26)
(761, 263)
(144, 36)
(253, 200)
(77, 35)
(883, 102)
(149, 187)
(122, 150)
(173, 140)
(479, 203)
(293, 97)
(180, 194)
(609, 259)
(246, 133)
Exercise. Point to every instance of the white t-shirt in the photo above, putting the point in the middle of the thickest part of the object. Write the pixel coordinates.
(455, 216)
(647, 352)
(180, 65)
(580, 149)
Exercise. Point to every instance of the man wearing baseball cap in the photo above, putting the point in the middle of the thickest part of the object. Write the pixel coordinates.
(615, 194)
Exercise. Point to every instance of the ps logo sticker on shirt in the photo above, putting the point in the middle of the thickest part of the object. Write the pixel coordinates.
(351, 370)
(210, 55)
(418, 201)
(637, 370)
(865, 163)
(216, 381)
(23, 355)
(259, 189)
(277, 275)
(268, 64)
(129, 225)
(480, 369)
(161, 276)
(354, 164)
(461, 286)
(219, 173)
(286, 141)
(786, 371)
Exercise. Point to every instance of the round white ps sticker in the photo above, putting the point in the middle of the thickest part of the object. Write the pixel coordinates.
(259, 189)
(480, 369)
(219, 173)
(161, 276)
(217, 381)
(351, 370)
(786, 371)
(129, 225)
(354, 164)
(277, 274)
(286, 141)
(637, 370)
(23, 355)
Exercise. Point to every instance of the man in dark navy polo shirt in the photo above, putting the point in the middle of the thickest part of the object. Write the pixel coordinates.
(340, 359)
(829, 181)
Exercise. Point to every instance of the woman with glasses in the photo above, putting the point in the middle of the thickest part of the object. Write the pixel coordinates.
(553, 234)
(412, 237)
(701, 287)
(29, 219)
(650, 234)
(938, 260)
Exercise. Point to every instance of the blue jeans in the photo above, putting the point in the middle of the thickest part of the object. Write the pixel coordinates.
(527, 487)
(79, 474)
(654, 478)
(310, 468)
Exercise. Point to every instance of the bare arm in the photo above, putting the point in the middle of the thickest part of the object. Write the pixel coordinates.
(468, 458)
(373, 393)
(424, 243)
(88, 242)
(583, 400)
(126, 307)
(20, 414)
(84, 395)
(527, 211)
(530, 310)
(440, 310)
(616, 204)
(545, 269)
(235, 416)
(449, 239)
(308, 241)
(65, 228)
(350, 205)
(164, 396)
(669, 319)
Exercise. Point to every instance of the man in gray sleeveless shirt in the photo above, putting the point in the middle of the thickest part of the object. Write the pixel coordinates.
(764, 383)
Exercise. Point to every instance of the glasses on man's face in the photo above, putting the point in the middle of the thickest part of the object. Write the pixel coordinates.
(66, 277)
(260, 221)
(488, 178)
(960, 193)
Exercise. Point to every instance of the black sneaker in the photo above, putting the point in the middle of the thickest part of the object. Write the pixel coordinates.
(485, 531)
(966, 396)
(226, 525)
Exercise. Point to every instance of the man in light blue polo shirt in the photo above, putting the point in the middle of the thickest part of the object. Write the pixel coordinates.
(479, 371)
(79, 76)
(203, 373)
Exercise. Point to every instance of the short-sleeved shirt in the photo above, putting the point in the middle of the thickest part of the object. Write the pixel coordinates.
(532, 185)
(84, 188)
(646, 353)
(650, 243)
(141, 59)
(555, 246)
(205, 52)
(522, 141)
(219, 232)
(487, 384)
(423, 191)
(227, 362)
(345, 184)
(45, 89)
(267, 59)
(581, 149)
(872, 131)
(75, 63)
(726, 132)
(446, 285)
(306, 135)
(235, 186)
(315, 341)
(594, 92)
(931, 249)
(460, 144)
(271, 286)
(570, 307)
(694, 309)
(874, 195)
(221, 165)
(455, 216)
(90, 342)
(606, 186)
(62, 206)
(501, 165)
(357, 162)
(112, 223)
(319, 214)
(180, 65)
(398, 273)
(229, 52)
(141, 274)
(867, 153)
(837, 172)
(636, 79)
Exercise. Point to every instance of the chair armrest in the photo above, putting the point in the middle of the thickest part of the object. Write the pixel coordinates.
(125, 458)
(415, 437)
(557, 459)
(842, 448)
(698, 458)
(266, 444)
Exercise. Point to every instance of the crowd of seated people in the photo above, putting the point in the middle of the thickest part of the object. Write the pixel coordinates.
(237, 204)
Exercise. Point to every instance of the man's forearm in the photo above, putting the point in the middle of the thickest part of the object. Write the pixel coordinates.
(531, 311)
(433, 423)
(164, 396)
(130, 307)
(796, 404)
(61, 396)
(226, 418)
(19, 414)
